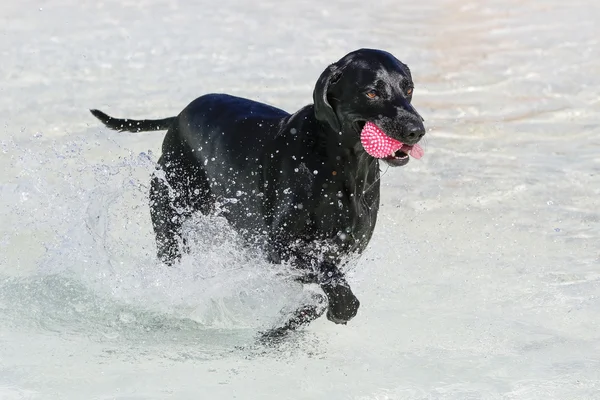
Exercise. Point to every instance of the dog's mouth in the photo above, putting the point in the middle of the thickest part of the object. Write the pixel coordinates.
(398, 159)
(379, 145)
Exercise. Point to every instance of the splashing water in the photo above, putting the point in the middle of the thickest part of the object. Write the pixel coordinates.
(96, 257)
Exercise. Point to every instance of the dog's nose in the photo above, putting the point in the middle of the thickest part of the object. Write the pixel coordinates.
(415, 133)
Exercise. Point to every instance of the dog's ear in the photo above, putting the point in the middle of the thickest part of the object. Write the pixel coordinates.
(323, 110)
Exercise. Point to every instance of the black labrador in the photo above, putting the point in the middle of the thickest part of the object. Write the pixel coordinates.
(301, 186)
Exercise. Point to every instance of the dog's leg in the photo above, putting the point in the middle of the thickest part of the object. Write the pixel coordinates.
(178, 190)
(343, 304)
(301, 317)
(167, 220)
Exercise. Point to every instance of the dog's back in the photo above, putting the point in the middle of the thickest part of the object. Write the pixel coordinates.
(226, 134)
(237, 144)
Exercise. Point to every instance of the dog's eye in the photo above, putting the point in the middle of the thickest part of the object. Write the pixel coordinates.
(409, 91)
(371, 94)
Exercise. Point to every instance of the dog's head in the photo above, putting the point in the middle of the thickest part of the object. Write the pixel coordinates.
(370, 86)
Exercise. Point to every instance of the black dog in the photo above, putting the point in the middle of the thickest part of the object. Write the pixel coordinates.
(301, 186)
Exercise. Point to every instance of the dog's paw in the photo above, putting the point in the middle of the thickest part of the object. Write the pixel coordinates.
(343, 304)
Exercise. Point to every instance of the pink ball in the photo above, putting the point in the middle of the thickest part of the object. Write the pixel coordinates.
(377, 143)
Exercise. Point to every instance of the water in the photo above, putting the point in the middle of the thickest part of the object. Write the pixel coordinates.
(482, 280)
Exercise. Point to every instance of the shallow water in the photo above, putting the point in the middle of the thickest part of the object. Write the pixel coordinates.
(482, 280)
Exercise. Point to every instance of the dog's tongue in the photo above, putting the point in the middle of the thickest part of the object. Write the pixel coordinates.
(380, 145)
(415, 150)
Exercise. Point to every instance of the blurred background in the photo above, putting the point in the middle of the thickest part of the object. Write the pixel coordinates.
(482, 280)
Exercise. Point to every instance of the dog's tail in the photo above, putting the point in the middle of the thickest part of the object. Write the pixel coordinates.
(133, 125)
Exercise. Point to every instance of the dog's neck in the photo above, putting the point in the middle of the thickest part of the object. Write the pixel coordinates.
(346, 162)
(347, 159)
(357, 169)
